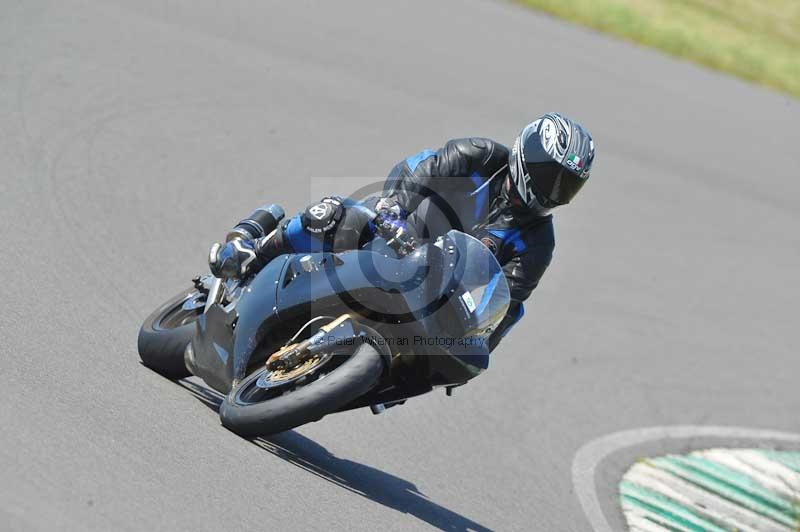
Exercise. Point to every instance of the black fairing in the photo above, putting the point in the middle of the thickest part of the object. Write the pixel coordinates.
(220, 351)
(407, 296)
(367, 282)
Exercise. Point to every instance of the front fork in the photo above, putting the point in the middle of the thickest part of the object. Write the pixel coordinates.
(293, 355)
(215, 293)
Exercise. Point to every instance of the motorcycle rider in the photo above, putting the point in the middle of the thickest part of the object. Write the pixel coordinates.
(502, 197)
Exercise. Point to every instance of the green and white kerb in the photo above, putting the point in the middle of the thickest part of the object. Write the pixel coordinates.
(714, 490)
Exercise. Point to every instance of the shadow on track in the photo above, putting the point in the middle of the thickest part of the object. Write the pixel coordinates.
(373, 484)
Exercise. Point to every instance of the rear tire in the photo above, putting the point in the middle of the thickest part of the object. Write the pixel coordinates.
(348, 381)
(164, 336)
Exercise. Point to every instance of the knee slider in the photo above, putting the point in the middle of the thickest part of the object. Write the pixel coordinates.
(323, 216)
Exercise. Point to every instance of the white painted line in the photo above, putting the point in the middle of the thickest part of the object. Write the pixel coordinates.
(639, 523)
(588, 457)
(656, 520)
(757, 460)
(728, 458)
(700, 500)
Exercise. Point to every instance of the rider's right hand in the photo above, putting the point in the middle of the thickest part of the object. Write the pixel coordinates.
(396, 233)
(233, 259)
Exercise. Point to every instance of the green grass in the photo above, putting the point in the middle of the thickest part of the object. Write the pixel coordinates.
(758, 40)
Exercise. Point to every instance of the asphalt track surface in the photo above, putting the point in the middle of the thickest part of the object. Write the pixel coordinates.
(134, 133)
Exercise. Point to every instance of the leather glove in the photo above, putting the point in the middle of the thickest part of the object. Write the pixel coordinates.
(233, 259)
(389, 208)
(395, 231)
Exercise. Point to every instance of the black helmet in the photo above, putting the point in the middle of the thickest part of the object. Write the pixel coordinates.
(549, 163)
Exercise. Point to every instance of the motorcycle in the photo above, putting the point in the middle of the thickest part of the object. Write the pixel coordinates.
(316, 333)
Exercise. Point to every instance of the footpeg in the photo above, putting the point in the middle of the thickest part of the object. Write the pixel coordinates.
(378, 408)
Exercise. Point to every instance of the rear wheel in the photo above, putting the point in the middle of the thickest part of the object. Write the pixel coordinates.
(167, 331)
(268, 402)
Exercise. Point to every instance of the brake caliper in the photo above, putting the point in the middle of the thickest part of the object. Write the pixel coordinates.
(294, 355)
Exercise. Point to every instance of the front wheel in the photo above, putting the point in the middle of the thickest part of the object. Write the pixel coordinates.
(167, 331)
(261, 406)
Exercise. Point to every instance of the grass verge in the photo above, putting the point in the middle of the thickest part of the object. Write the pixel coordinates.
(758, 40)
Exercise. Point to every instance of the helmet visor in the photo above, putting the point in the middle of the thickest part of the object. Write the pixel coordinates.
(553, 182)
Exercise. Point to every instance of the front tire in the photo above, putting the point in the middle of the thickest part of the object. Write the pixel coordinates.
(166, 333)
(351, 379)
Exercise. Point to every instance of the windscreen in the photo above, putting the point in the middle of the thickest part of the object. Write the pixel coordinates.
(482, 286)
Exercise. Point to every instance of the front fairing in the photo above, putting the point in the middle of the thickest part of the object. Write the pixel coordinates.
(454, 289)
(256, 310)
(226, 335)
(293, 289)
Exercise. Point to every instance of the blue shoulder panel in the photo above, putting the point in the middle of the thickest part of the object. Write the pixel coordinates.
(510, 236)
(414, 160)
(301, 240)
(481, 193)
